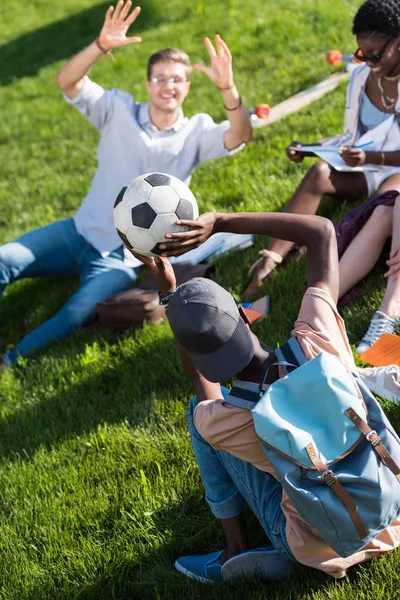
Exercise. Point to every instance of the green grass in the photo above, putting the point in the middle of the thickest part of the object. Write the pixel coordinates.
(99, 490)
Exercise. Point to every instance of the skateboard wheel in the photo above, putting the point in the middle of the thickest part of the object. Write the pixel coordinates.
(262, 111)
(334, 58)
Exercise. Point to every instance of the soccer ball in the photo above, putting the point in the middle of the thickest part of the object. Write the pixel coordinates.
(148, 208)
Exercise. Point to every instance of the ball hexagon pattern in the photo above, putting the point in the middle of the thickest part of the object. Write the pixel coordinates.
(149, 207)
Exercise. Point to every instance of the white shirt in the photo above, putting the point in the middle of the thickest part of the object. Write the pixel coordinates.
(130, 145)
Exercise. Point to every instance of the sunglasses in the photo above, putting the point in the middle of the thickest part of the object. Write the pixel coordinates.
(374, 58)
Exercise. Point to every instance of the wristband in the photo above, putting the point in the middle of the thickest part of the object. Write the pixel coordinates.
(226, 88)
(165, 297)
(236, 107)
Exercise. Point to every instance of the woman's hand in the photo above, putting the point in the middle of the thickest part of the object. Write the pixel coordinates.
(393, 264)
(292, 154)
(199, 231)
(161, 269)
(354, 157)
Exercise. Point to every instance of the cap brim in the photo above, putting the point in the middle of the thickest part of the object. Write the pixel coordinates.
(228, 360)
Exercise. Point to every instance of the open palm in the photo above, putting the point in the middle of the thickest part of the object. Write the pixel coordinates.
(220, 71)
(116, 24)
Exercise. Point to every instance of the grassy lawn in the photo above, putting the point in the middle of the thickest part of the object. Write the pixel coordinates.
(99, 490)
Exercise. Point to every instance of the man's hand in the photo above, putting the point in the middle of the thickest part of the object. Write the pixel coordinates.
(354, 157)
(161, 269)
(393, 264)
(199, 231)
(220, 71)
(116, 24)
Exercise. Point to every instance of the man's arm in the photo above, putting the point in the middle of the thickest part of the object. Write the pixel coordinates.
(221, 74)
(316, 233)
(163, 273)
(112, 35)
(204, 389)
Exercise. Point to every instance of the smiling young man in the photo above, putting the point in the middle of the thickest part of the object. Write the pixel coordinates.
(135, 138)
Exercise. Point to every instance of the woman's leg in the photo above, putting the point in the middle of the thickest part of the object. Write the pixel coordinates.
(321, 179)
(365, 249)
(390, 304)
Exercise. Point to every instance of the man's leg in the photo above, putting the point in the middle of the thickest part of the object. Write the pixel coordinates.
(44, 252)
(230, 483)
(100, 279)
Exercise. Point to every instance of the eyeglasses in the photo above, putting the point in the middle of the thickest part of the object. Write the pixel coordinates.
(162, 80)
(375, 58)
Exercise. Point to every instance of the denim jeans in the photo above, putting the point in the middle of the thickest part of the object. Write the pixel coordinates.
(58, 250)
(230, 483)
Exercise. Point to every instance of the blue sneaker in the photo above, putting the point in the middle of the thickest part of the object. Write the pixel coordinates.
(267, 563)
(203, 567)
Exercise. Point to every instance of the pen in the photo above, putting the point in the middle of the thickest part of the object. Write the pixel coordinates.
(363, 145)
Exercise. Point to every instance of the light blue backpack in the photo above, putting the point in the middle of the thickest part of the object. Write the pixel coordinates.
(332, 447)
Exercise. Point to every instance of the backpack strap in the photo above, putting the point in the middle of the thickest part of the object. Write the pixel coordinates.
(331, 480)
(292, 353)
(242, 396)
(374, 439)
(289, 357)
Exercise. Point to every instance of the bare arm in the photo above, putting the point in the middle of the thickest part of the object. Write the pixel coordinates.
(112, 35)
(221, 74)
(316, 233)
(356, 157)
(204, 389)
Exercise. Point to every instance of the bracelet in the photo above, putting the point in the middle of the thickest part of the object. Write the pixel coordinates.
(104, 51)
(236, 107)
(165, 297)
(382, 158)
(226, 88)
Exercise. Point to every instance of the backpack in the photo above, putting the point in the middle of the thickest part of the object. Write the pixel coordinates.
(332, 447)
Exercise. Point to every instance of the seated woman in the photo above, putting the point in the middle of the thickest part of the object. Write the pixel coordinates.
(360, 257)
(372, 107)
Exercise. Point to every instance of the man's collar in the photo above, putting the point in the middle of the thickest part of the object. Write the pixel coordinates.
(145, 119)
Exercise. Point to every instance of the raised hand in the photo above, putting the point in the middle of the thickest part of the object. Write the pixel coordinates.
(220, 72)
(161, 269)
(116, 24)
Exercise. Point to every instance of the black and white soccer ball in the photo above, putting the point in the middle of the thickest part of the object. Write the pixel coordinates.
(148, 208)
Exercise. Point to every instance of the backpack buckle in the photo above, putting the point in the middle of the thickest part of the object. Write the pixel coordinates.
(375, 442)
(329, 477)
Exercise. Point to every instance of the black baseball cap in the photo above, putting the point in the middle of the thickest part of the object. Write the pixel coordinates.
(205, 320)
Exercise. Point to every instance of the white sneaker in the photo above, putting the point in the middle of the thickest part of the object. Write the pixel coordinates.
(383, 381)
(380, 324)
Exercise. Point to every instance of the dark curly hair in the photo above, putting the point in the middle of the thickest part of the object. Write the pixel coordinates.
(378, 16)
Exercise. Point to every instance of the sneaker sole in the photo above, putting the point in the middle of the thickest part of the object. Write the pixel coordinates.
(268, 565)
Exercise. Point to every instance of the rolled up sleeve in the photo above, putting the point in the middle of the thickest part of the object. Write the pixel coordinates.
(94, 102)
(211, 140)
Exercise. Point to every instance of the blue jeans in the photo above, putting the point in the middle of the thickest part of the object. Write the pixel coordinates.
(230, 483)
(58, 250)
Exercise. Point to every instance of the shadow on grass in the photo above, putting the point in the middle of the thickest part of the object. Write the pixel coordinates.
(188, 528)
(27, 54)
(120, 390)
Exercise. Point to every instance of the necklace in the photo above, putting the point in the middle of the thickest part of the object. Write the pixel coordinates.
(388, 103)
